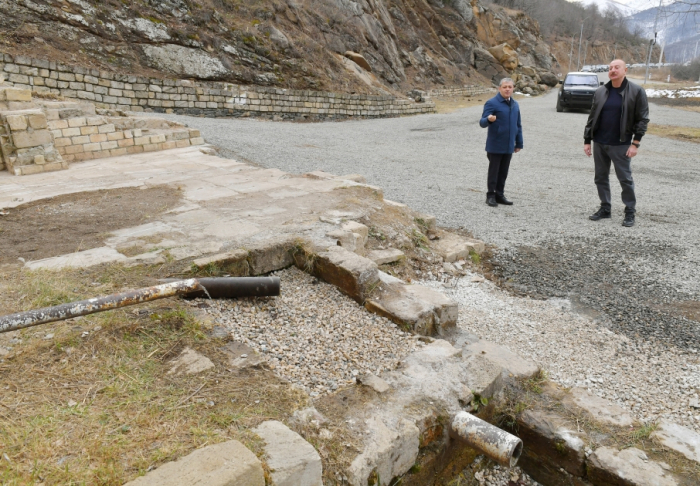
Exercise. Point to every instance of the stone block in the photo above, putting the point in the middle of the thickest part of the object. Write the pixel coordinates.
(225, 464)
(374, 382)
(37, 121)
(80, 140)
(629, 467)
(388, 452)
(71, 132)
(197, 141)
(32, 139)
(354, 275)
(511, 362)
(95, 121)
(415, 308)
(152, 147)
(292, 460)
(108, 145)
(77, 122)
(382, 257)
(98, 138)
(142, 140)
(17, 123)
(88, 130)
(452, 247)
(62, 142)
(92, 147)
(678, 438)
(129, 142)
(56, 124)
(234, 263)
(600, 409)
(108, 128)
(118, 152)
(189, 362)
(115, 136)
(357, 228)
(549, 443)
(270, 255)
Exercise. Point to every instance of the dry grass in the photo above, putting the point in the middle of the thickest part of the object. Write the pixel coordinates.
(93, 404)
(686, 134)
(452, 104)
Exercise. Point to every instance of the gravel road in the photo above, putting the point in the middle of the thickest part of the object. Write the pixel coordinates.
(627, 284)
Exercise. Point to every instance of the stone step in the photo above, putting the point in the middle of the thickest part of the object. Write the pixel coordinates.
(452, 247)
(221, 464)
(415, 308)
(292, 460)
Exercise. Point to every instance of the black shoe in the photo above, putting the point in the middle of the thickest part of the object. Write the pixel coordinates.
(502, 200)
(491, 201)
(602, 213)
(629, 220)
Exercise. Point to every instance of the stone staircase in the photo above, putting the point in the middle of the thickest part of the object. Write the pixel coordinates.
(38, 135)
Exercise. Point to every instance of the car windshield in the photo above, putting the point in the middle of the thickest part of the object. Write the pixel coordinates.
(581, 80)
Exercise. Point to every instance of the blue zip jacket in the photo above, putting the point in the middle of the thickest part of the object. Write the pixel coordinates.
(506, 133)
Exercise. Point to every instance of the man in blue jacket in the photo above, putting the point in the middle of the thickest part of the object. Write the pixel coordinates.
(505, 136)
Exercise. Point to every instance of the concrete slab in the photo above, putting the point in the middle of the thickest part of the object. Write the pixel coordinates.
(511, 362)
(80, 259)
(680, 439)
(600, 409)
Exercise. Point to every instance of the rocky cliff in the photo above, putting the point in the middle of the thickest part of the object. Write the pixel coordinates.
(336, 45)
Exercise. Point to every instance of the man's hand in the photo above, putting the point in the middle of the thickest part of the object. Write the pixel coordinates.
(587, 149)
(632, 151)
(491, 118)
(517, 150)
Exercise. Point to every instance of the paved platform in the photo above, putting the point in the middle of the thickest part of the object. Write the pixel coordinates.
(226, 204)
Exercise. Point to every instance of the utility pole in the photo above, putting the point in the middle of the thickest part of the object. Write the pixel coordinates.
(578, 61)
(585, 54)
(615, 53)
(571, 53)
(652, 41)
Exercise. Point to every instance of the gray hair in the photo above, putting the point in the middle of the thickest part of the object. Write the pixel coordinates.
(506, 80)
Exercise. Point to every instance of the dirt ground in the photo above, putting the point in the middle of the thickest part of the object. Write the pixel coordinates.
(76, 222)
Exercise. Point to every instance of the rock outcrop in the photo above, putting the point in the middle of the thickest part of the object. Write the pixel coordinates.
(295, 44)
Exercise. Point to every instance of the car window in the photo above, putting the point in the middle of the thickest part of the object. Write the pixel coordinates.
(581, 80)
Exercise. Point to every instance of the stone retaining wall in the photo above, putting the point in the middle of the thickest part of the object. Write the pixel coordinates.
(135, 93)
(465, 91)
(86, 138)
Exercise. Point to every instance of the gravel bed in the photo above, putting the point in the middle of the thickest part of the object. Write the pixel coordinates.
(313, 335)
(485, 472)
(650, 378)
(630, 279)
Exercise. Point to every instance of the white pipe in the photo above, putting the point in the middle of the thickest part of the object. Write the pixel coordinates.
(497, 444)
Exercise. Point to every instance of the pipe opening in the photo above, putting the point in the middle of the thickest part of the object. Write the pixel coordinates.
(515, 455)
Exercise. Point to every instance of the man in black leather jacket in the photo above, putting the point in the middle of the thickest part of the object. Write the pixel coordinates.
(616, 125)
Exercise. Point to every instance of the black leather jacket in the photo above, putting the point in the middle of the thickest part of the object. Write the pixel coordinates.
(635, 112)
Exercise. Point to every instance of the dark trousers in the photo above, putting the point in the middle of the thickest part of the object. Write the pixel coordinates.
(498, 173)
(603, 155)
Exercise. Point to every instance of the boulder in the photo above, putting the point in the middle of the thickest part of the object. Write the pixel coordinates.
(505, 55)
(550, 79)
(358, 59)
(184, 61)
(223, 464)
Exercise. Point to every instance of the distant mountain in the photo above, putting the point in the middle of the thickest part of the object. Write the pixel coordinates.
(605, 5)
(678, 27)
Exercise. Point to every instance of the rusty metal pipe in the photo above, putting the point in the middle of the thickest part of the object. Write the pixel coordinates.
(232, 287)
(497, 444)
(21, 320)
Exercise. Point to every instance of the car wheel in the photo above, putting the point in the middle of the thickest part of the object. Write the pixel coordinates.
(559, 107)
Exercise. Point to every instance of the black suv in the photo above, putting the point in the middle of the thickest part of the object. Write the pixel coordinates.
(577, 91)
